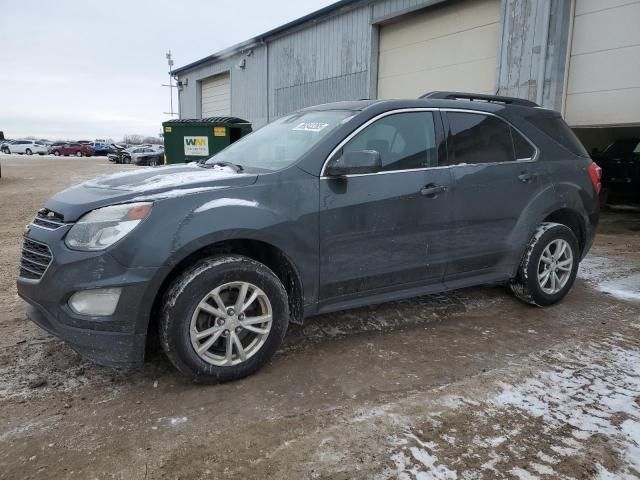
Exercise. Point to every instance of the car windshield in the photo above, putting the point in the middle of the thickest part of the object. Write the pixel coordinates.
(282, 142)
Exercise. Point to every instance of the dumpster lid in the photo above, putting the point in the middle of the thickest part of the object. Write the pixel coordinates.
(207, 121)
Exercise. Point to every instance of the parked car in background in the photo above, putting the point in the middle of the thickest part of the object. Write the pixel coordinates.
(77, 149)
(332, 207)
(101, 149)
(118, 153)
(27, 147)
(145, 156)
(5, 144)
(620, 163)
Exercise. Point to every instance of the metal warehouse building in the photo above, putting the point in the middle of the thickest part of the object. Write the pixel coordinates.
(581, 57)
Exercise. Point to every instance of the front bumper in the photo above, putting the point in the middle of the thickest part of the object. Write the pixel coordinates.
(115, 340)
(113, 349)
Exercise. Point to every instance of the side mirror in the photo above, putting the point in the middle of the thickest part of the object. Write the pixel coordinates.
(351, 163)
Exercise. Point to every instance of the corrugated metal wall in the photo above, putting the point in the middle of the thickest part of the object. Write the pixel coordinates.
(335, 58)
(248, 86)
(326, 62)
(534, 49)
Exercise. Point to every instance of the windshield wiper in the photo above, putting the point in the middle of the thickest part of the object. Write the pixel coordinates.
(236, 168)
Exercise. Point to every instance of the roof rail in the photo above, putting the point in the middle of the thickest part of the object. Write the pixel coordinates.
(479, 96)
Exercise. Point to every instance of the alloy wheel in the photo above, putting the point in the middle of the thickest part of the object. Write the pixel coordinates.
(554, 267)
(231, 324)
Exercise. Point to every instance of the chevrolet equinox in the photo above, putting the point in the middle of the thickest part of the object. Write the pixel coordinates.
(328, 208)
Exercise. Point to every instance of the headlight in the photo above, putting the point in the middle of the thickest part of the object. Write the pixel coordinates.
(103, 227)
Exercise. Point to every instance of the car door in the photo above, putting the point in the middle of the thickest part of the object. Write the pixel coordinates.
(387, 229)
(18, 147)
(495, 175)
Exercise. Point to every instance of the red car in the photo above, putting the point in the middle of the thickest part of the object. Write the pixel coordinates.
(77, 149)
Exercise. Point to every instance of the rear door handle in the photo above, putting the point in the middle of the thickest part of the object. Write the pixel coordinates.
(527, 177)
(432, 190)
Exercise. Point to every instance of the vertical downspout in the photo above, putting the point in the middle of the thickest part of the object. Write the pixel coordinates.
(501, 39)
(565, 83)
(266, 80)
(374, 52)
(543, 54)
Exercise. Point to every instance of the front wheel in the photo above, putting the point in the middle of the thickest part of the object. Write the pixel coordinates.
(223, 319)
(28, 151)
(549, 266)
(56, 153)
(78, 154)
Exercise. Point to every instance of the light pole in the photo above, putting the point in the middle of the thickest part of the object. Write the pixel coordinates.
(171, 85)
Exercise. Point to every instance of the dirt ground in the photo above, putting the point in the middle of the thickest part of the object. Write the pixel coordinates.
(473, 384)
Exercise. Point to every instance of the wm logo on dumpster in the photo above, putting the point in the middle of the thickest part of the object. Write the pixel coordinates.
(196, 146)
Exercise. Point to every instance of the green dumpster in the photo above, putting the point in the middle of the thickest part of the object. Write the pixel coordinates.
(193, 139)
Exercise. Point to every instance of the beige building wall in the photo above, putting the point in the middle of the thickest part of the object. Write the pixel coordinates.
(604, 70)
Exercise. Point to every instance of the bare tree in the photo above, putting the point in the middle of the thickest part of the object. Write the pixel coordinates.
(153, 140)
(133, 139)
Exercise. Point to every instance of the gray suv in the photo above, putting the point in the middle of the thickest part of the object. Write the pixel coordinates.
(329, 208)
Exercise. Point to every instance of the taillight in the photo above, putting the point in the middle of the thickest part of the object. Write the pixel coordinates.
(595, 173)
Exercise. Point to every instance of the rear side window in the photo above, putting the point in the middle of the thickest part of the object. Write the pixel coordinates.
(478, 138)
(556, 128)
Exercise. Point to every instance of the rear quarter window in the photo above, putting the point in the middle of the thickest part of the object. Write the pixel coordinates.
(558, 130)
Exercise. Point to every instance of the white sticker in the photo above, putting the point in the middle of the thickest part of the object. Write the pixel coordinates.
(311, 126)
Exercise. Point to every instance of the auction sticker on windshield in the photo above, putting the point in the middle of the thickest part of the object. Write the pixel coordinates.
(196, 146)
(311, 126)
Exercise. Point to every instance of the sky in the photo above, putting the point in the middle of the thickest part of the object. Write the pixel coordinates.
(87, 69)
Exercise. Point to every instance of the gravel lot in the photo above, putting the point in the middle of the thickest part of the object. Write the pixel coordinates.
(468, 385)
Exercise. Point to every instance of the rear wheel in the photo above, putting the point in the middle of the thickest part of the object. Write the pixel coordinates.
(56, 153)
(28, 151)
(78, 154)
(549, 266)
(223, 319)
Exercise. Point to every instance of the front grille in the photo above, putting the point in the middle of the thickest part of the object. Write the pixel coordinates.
(48, 219)
(36, 257)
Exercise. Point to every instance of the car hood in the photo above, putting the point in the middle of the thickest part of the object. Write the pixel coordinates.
(148, 184)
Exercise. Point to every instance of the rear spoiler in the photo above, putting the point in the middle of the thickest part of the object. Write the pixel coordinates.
(481, 97)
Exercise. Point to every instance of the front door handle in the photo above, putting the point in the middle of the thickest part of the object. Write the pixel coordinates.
(527, 177)
(432, 190)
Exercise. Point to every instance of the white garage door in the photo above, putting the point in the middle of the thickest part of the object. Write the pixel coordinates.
(604, 70)
(448, 47)
(216, 96)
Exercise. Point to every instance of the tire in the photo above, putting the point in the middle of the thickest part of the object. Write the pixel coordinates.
(56, 153)
(535, 282)
(182, 317)
(28, 151)
(78, 154)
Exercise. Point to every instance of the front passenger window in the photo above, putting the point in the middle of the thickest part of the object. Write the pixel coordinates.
(405, 141)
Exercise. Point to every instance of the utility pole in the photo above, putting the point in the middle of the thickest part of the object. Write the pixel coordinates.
(171, 86)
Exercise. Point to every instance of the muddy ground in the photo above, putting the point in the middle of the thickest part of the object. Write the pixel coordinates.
(472, 384)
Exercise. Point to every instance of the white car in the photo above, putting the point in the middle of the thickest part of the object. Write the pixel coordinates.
(28, 147)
